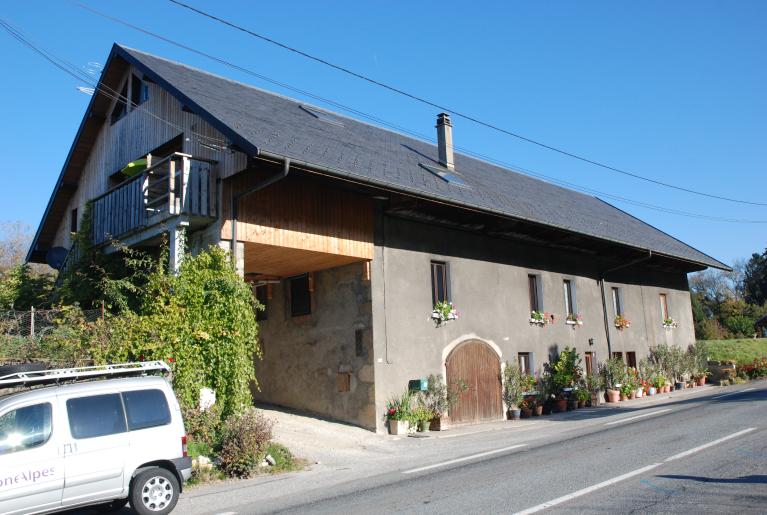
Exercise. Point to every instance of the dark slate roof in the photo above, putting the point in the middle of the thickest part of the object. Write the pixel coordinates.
(256, 118)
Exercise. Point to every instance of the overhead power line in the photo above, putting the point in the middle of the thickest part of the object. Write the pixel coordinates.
(72, 70)
(458, 113)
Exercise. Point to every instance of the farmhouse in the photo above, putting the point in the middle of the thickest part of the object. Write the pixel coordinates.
(351, 234)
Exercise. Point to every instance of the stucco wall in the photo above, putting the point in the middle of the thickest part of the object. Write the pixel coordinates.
(489, 282)
(303, 355)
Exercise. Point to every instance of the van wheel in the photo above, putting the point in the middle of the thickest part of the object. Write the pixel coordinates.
(154, 492)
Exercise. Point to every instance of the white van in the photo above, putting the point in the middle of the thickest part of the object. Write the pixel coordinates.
(98, 439)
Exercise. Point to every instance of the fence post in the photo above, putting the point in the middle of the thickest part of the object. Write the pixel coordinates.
(32, 321)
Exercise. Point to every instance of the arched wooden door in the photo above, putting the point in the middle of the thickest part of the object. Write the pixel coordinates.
(479, 367)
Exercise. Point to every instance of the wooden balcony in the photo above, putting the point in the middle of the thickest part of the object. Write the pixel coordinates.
(177, 189)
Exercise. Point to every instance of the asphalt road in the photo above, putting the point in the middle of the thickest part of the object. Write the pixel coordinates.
(695, 456)
(700, 453)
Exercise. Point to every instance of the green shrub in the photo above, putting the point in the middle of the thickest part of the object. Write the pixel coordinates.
(203, 427)
(244, 440)
(283, 458)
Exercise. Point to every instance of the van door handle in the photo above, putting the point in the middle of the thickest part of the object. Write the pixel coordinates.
(70, 448)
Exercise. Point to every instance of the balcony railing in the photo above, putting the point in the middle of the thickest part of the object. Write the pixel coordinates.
(178, 185)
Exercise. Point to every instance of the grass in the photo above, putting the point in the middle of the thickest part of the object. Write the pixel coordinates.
(742, 351)
(285, 461)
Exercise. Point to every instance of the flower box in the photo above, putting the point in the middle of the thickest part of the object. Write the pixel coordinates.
(669, 323)
(398, 427)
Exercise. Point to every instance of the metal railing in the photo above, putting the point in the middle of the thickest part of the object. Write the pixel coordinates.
(176, 185)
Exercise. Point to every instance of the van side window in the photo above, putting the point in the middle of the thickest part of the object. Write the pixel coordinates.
(25, 428)
(146, 408)
(98, 415)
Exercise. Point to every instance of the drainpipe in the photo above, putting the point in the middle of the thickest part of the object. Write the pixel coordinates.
(235, 201)
(604, 300)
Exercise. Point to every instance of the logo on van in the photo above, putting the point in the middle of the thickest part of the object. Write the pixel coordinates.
(26, 477)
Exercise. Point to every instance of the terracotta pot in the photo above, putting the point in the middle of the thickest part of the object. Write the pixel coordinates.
(538, 411)
(633, 394)
(624, 397)
(438, 424)
(613, 395)
(527, 413)
(560, 405)
(702, 381)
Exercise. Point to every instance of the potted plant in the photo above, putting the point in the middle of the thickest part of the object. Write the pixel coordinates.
(540, 398)
(669, 323)
(621, 322)
(594, 384)
(398, 414)
(582, 395)
(513, 389)
(438, 398)
(526, 407)
(614, 375)
(420, 417)
(444, 312)
(626, 390)
(541, 318)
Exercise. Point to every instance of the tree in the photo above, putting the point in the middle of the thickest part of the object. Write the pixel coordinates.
(755, 279)
(21, 288)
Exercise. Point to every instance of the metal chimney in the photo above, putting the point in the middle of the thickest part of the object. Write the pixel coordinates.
(445, 140)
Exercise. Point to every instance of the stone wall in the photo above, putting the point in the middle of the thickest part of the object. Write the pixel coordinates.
(305, 358)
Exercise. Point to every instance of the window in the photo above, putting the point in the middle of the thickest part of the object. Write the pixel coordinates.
(525, 362)
(440, 282)
(618, 355)
(618, 301)
(139, 91)
(569, 297)
(99, 415)
(73, 220)
(25, 428)
(589, 359)
(300, 296)
(121, 106)
(146, 408)
(534, 286)
(262, 295)
(631, 359)
(664, 306)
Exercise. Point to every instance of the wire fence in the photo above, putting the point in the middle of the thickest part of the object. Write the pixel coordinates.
(36, 323)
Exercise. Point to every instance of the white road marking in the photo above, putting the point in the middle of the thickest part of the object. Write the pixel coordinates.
(588, 490)
(465, 458)
(733, 393)
(709, 444)
(487, 430)
(629, 419)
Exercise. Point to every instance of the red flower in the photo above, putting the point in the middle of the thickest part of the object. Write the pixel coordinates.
(141, 358)
(170, 360)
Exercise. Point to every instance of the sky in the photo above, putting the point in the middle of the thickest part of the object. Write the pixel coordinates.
(673, 91)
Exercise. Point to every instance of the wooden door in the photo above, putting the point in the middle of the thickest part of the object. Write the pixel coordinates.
(479, 367)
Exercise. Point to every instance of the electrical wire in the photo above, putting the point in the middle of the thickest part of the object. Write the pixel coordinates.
(457, 113)
(102, 88)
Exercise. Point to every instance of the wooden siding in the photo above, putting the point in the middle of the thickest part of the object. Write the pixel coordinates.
(156, 121)
(299, 214)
